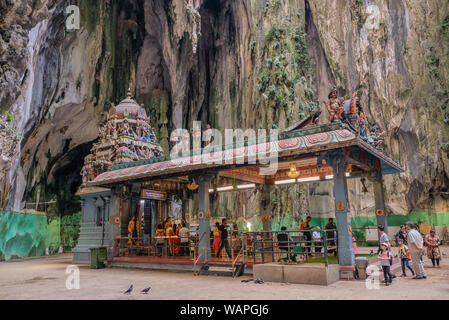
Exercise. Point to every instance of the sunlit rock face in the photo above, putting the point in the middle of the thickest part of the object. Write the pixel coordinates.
(249, 63)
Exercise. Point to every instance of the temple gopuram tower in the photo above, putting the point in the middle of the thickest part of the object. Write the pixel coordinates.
(127, 136)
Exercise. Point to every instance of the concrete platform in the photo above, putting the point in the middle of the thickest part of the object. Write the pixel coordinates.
(308, 273)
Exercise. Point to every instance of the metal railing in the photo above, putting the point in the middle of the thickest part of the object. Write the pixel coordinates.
(293, 244)
(199, 255)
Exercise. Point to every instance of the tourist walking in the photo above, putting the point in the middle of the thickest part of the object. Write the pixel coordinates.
(404, 255)
(432, 242)
(385, 258)
(415, 242)
(224, 238)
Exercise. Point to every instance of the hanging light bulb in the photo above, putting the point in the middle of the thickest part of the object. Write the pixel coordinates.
(292, 172)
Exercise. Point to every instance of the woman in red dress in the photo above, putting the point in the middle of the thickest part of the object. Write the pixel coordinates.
(176, 240)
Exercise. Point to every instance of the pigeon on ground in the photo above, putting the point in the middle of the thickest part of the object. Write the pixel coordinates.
(146, 290)
(259, 281)
(129, 290)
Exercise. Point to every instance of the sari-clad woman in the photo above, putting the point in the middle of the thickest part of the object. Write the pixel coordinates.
(169, 232)
(167, 222)
(217, 238)
(432, 242)
(176, 240)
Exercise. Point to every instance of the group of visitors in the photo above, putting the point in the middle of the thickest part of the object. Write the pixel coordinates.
(178, 241)
(410, 249)
(315, 238)
(220, 234)
(310, 238)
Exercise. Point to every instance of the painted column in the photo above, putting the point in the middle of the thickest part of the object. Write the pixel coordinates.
(267, 188)
(379, 200)
(203, 219)
(337, 160)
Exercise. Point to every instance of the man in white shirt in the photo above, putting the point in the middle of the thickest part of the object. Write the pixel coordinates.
(184, 236)
(415, 246)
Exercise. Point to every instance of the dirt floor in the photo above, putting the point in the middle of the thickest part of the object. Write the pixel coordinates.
(45, 278)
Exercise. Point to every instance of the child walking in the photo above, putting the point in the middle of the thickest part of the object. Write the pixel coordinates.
(385, 257)
(404, 254)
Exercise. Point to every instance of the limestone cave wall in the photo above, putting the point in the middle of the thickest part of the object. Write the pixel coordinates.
(232, 64)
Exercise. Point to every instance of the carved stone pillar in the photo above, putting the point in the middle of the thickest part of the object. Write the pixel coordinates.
(203, 219)
(337, 160)
(379, 200)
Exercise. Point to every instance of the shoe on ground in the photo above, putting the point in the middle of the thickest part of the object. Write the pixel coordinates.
(403, 276)
(388, 283)
(418, 277)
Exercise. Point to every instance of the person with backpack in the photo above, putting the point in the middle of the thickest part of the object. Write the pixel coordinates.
(404, 255)
(385, 258)
(401, 235)
(383, 238)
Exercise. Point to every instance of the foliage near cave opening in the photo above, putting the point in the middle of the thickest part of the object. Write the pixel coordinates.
(285, 80)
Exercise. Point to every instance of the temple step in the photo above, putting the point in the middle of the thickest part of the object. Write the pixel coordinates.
(223, 270)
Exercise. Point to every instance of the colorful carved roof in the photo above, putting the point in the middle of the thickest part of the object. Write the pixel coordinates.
(308, 142)
(130, 109)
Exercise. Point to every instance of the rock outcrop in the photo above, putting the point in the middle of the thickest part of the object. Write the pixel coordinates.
(249, 63)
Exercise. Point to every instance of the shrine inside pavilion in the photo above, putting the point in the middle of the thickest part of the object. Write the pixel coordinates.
(305, 152)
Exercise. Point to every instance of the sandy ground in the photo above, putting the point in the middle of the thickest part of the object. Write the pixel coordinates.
(45, 278)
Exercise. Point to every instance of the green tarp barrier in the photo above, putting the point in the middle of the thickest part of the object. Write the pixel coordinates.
(24, 235)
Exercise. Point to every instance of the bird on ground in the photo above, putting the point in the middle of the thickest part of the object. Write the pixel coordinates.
(129, 290)
(146, 290)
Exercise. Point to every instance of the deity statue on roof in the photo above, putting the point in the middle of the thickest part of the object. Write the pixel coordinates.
(152, 136)
(186, 140)
(207, 135)
(84, 174)
(175, 141)
(196, 137)
(335, 106)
